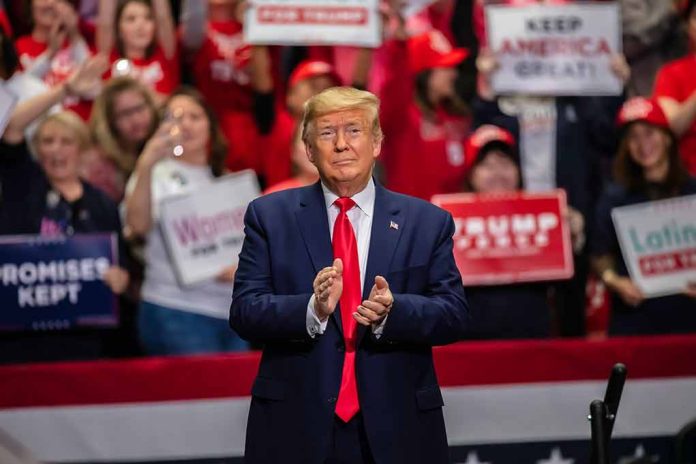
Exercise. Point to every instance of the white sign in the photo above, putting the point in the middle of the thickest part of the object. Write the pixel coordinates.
(8, 101)
(204, 230)
(555, 50)
(658, 243)
(313, 22)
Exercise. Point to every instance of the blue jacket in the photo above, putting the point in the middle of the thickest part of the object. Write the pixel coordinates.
(293, 398)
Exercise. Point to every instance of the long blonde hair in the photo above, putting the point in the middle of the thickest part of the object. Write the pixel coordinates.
(102, 121)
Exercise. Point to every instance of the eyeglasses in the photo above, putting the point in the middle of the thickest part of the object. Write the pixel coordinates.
(128, 112)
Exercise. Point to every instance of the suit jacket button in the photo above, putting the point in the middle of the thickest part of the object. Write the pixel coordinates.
(332, 399)
(341, 348)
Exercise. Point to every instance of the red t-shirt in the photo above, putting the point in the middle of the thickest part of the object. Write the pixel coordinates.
(221, 67)
(61, 66)
(676, 80)
(420, 157)
(157, 72)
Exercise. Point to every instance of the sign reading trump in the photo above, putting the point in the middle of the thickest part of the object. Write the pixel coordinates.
(313, 22)
(658, 243)
(204, 230)
(508, 238)
(56, 283)
(555, 50)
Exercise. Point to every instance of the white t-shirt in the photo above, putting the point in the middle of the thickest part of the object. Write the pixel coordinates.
(537, 120)
(171, 177)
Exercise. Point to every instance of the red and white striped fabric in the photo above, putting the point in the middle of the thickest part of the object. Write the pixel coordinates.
(196, 407)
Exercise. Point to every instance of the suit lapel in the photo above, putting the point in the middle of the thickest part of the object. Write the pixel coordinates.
(313, 223)
(387, 226)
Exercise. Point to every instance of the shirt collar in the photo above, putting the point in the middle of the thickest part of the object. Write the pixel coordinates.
(364, 199)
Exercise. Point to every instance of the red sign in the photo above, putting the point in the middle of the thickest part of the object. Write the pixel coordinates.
(508, 238)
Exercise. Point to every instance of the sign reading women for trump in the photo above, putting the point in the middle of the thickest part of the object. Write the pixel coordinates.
(204, 230)
(56, 283)
(313, 22)
(658, 243)
(506, 238)
(555, 50)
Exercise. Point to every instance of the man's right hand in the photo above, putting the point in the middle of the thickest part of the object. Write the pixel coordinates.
(328, 286)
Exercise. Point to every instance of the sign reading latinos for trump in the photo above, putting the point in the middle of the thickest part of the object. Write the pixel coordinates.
(56, 283)
(313, 22)
(204, 230)
(507, 238)
(555, 50)
(658, 243)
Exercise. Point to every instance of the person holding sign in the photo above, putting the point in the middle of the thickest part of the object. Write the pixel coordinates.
(647, 168)
(48, 198)
(560, 140)
(348, 285)
(178, 159)
(495, 168)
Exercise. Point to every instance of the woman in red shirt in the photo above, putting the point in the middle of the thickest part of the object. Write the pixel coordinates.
(675, 90)
(55, 48)
(139, 37)
(424, 121)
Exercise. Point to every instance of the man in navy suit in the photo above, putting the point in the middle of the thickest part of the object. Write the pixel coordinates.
(349, 286)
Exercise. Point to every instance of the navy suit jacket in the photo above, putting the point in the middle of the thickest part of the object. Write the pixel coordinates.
(293, 397)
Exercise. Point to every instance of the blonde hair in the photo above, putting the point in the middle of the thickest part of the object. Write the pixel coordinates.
(102, 120)
(336, 99)
(69, 121)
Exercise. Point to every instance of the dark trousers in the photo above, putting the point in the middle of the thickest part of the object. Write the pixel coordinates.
(349, 444)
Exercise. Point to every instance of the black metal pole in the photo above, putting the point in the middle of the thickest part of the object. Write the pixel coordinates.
(600, 448)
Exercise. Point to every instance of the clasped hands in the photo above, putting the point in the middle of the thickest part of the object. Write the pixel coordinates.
(328, 286)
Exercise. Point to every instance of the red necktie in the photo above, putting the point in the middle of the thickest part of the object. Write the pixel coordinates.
(346, 247)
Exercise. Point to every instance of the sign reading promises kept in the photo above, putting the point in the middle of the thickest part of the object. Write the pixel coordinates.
(658, 243)
(56, 283)
(509, 238)
(313, 22)
(204, 230)
(555, 50)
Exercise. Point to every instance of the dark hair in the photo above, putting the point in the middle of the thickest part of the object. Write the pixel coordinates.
(120, 47)
(454, 105)
(217, 142)
(502, 147)
(629, 174)
(689, 9)
(8, 61)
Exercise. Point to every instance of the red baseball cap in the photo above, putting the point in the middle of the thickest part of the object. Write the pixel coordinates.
(432, 50)
(644, 110)
(481, 137)
(312, 68)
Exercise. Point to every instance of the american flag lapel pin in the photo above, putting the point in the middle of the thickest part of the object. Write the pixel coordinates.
(393, 225)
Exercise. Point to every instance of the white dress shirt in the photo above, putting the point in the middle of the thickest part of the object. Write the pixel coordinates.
(360, 217)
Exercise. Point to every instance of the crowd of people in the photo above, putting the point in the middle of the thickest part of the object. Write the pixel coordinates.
(102, 86)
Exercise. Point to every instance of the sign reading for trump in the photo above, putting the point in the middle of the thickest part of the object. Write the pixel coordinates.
(204, 230)
(555, 50)
(658, 243)
(508, 238)
(56, 283)
(313, 22)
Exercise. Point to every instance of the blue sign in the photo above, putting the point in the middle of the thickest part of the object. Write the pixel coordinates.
(56, 283)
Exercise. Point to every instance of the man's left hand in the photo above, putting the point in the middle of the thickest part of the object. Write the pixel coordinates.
(377, 306)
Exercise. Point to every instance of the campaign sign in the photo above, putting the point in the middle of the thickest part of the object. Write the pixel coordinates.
(313, 22)
(56, 283)
(555, 50)
(204, 230)
(658, 244)
(509, 238)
